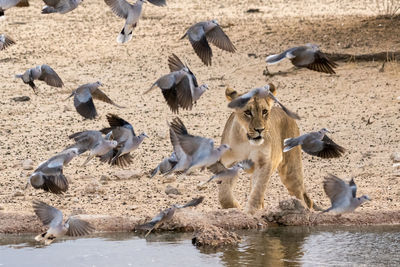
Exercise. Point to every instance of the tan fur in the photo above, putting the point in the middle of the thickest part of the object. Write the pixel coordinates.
(267, 153)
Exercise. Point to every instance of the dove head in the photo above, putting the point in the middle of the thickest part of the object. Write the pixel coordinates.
(314, 47)
(223, 148)
(214, 21)
(113, 143)
(323, 131)
(363, 199)
(36, 180)
(204, 87)
(142, 136)
(98, 83)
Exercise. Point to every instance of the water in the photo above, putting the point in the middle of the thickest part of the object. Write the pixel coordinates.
(282, 246)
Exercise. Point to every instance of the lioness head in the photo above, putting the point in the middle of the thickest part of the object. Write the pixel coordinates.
(254, 116)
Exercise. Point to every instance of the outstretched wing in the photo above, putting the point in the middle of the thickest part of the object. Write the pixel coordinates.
(78, 227)
(218, 37)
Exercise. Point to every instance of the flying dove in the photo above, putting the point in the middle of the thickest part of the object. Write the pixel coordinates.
(49, 175)
(316, 144)
(53, 218)
(131, 13)
(343, 196)
(228, 173)
(308, 56)
(42, 73)
(166, 215)
(123, 133)
(179, 160)
(208, 31)
(261, 92)
(60, 6)
(94, 142)
(180, 88)
(6, 4)
(5, 41)
(200, 149)
(83, 99)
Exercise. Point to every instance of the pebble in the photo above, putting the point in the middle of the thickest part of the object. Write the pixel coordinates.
(169, 179)
(21, 98)
(128, 174)
(395, 156)
(398, 98)
(1, 208)
(104, 179)
(172, 190)
(93, 187)
(18, 193)
(27, 164)
(396, 166)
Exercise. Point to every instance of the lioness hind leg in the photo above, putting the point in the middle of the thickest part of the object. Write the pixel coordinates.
(291, 174)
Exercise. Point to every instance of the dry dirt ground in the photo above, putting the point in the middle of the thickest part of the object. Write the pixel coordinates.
(81, 46)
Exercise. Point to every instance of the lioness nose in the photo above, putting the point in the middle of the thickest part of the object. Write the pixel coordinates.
(259, 130)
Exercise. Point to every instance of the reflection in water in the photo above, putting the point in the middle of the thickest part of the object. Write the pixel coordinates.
(279, 246)
(317, 246)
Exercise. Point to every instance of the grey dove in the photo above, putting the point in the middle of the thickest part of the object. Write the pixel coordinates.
(316, 144)
(180, 87)
(131, 13)
(49, 174)
(308, 56)
(5, 41)
(123, 133)
(179, 160)
(261, 92)
(201, 33)
(200, 149)
(83, 99)
(165, 166)
(53, 218)
(166, 215)
(94, 142)
(343, 196)
(42, 73)
(6, 4)
(60, 6)
(228, 173)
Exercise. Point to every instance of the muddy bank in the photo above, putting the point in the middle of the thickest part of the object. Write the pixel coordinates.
(214, 228)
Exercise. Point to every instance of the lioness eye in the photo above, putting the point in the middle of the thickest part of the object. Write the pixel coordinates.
(265, 112)
(247, 112)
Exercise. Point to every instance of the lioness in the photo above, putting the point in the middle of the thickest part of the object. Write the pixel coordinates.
(257, 132)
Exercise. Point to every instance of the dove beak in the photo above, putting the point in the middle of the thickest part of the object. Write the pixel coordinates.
(145, 135)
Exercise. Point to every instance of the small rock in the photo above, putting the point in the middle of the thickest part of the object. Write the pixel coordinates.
(18, 193)
(27, 164)
(66, 108)
(398, 98)
(395, 156)
(128, 174)
(93, 187)
(21, 98)
(133, 207)
(213, 236)
(1, 208)
(169, 179)
(396, 166)
(104, 179)
(172, 190)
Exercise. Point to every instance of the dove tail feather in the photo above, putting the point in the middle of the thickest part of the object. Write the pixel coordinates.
(124, 37)
(289, 143)
(48, 10)
(151, 88)
(273, 59)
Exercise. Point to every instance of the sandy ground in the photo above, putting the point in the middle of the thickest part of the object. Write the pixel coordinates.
(81, 46)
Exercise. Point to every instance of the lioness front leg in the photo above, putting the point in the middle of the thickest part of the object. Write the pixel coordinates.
(258, 187)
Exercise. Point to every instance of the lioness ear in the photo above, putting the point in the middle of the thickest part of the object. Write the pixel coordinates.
(230, 93)
(272, 88)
